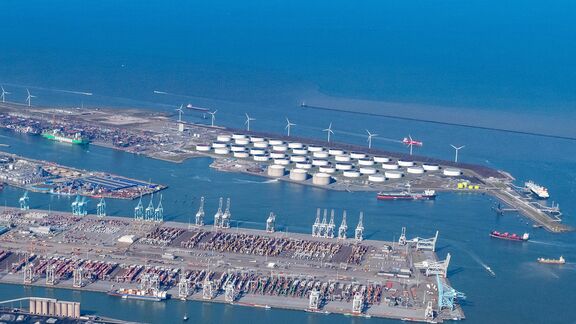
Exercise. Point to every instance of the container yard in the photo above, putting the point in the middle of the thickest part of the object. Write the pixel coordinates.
(48, 177)
(329, 165)
(331, 270)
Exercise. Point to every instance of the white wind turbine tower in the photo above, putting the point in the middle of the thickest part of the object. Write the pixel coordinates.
(456, 149)
(180, 111)
(4, 93)
(247, 122)
(288, 125)
(29, 98)
(370, 135)
(329, 131)
(213, 116)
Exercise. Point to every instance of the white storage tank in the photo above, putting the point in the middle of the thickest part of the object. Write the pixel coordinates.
(351, 174)
(241, 155)
(219, 145)
(430, 167)
(357, 155)
(296, 145)
(203, 147)
(256, 139)
(257, 151)
(275, 142)
(367, 170)
(275, 170)
(327, 169)
(303, 165)
(279, 148)
(315, 148)
(393, 174)
(221, 151)
(223, 138)
(276, 155)
(281, 161)
(262, 144)
(376, 178)
(342, 158)
(298, 158)
(415, 170)
(321, 179)
(319, 162)
(237, 148)
(335, 152)
(260, 158)
(405, 163)
(343, 166)
(239, 136)
(241, 141)
(381, 159)
(390, 166)
(298, 174)
(300, 151)
(452, 172)
(365, 162)
(320, 154)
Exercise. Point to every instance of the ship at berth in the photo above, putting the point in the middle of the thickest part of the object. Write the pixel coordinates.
(537, 190)
(407, 195)
(56, 135)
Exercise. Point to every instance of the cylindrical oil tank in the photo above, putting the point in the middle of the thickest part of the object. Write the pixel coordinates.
(219, 145)
(430, 167)
(415, 170)
(275, 170)
(320, 154)
(223, 138)
(393, 174)
(298, 158)
(237, 148)
(275, 142)
(389, 166)
(262, 144)
(279, 148)
(257, 151)
(351, 174)
(357, 155)
(327, 169)
(298, 174)
(343, 166)
(315, 148)
(381, 159)
(221, 150)
(239, 136)
(335, 152)
(260, 158)
(452, 172)
(241, 155)
(303, 165)
(256, 139)
(342, 158)
(203, 147)
(365, 162)
(282, 161)
(295, 145)
(321, 179)
(376, 178)
(319, 162)
(277, 155)
(405, 163)
(300, 151)
(367, 170)
(242, 141)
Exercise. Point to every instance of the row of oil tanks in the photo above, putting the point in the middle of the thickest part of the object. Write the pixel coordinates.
(53, 307)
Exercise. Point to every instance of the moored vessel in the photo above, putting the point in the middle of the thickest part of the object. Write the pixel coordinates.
(151, 294)
(56, 135)
(407, 195)
(537, 190)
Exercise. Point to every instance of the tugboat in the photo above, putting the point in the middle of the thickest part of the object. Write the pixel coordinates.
(407, 195)
(509, 236)
(560, 260)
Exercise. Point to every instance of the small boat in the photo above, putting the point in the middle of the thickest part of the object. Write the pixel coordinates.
(560, 260)
(510, 236)
(490, 271)
(185, 318)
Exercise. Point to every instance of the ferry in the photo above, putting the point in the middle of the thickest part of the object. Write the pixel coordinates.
(151, 295)
(56, 135)
(560, 260)
(407, 195)
(509, 236)
(537, 190)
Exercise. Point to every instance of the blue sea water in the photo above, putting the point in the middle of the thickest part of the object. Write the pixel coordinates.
(505, 64)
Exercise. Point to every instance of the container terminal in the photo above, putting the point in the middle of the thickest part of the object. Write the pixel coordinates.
(329, 165)
(49, 177)
(331, 270)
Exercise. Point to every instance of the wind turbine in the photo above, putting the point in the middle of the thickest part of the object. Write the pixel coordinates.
(329, 131)
(213, 114)
(456, 149)
(29, 98)
(180, 111)
(370, 135)
(4, 93)
(288, 125)
(410, 143)
(247, 122)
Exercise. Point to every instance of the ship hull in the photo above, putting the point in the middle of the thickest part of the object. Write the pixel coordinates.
(405, 197)
(514, 239)
(137, 297)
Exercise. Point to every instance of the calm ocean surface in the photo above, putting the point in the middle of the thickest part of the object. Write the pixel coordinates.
(508, 65)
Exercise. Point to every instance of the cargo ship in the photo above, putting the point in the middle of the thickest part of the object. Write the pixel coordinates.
(192, 107)
(537, 190)
(560, 260)
(151, 295)
(509, 236)
(407, 195)
(55, 135)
